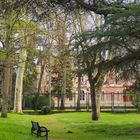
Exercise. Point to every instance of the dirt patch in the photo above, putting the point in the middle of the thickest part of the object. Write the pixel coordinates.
(137, 129)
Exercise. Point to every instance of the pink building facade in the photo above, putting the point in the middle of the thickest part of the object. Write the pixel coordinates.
(112, 94)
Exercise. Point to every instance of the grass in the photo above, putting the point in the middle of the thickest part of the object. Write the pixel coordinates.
(79, 124)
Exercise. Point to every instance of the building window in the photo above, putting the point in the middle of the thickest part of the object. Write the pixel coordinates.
(82, 96)
(126, 98)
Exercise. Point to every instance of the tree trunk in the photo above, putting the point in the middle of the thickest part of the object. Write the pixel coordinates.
(58, 102)
(6, 75)
(63, 89)
(49, 77)
(62, 106)
(10, 89)
(39, 85)
(5, 88)
(79, 92)
(96, 85)
(93, 101)
(19, 82)
(98, 99)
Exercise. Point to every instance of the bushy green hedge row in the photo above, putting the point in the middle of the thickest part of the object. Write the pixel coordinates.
(43, 100)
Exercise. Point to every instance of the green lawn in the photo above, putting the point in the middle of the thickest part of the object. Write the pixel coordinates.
(109, 127)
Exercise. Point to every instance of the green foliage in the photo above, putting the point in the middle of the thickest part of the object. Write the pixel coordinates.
(135, 92)
(2, 56)
(43, 100)
(119, 36)
(30, 76)
(57, 80)
(69, 94)
(45, 110)
(28, 102)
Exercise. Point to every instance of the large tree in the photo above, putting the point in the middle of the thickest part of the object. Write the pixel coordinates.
(118, 46)
(26, 38)
(9, 16)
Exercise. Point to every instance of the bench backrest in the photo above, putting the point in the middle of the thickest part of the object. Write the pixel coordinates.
(35, 125)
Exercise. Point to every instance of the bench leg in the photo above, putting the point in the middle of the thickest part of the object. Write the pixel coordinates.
(31, 132)
(46, 137)
(38, 133)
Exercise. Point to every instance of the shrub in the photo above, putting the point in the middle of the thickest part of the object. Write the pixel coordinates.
(45, 110)
(43, 100)
(29, 101)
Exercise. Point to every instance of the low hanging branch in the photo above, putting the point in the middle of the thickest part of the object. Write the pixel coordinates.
(103, 7)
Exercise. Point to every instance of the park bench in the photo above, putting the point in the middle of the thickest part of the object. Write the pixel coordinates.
(40, 131)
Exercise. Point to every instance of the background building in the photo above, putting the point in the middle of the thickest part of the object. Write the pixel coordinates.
(112, 95)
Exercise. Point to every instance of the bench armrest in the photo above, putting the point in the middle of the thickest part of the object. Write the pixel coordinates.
(43, 127)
